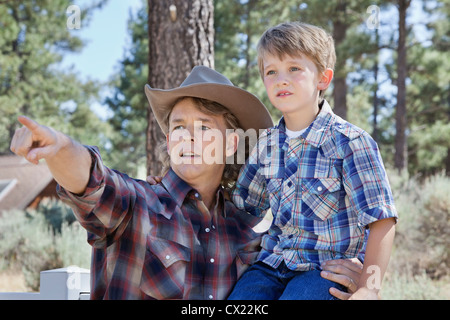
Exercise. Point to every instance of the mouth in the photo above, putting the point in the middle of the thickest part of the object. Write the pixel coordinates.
(188, 154)
(282, 94)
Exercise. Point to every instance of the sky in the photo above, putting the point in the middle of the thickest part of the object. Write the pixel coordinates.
(106, 36)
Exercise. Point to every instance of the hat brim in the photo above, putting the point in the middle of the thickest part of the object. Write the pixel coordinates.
(247, 108)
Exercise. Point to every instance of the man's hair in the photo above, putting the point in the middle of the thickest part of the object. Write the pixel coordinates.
(297, 39)
(231, 171)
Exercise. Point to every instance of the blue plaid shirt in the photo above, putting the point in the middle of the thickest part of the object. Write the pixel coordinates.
(323, 189)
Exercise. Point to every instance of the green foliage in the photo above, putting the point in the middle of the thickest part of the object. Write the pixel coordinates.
(33, 38)
(45, 239)
(422, 232)
(238, 27)
(128, 101)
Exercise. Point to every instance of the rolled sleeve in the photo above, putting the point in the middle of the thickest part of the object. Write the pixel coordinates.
(366, 181)
(104, 205)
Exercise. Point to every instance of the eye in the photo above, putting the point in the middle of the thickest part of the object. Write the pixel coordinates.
(180, 127)
(204, 128)
(293, 69)
(270, 72)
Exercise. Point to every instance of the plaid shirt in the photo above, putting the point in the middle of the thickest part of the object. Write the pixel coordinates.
(157, 242)
(323, 189)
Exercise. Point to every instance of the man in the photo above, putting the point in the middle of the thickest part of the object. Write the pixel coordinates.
(182, 238)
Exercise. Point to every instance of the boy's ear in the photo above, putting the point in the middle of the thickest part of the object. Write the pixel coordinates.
(325, 79)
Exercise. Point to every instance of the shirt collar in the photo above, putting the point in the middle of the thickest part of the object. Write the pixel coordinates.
(177, 188)
(317, 131)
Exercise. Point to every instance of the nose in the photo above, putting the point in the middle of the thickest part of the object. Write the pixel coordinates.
(282, 79)
(188, 135)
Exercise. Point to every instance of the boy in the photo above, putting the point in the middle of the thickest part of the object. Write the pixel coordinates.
(322, 177)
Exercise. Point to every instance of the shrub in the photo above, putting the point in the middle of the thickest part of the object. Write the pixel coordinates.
(422, 241)
(37, 241)
(420, 257)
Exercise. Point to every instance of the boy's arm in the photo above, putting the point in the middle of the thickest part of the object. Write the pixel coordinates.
(378, 251)
(367, 186)
(250, 192)
(68, 161)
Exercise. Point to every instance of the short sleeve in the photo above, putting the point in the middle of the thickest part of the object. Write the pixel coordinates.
(366, 182)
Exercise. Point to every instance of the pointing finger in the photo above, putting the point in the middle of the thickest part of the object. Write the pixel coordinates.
(29, 123)
(21, 141)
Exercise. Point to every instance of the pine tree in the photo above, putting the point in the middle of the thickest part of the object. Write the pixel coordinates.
(181, 36)
(33, 38)
(128, 101)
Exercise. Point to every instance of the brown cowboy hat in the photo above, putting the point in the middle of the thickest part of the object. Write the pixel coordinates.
(207, 83)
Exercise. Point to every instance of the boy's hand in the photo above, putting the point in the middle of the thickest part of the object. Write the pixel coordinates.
(154, 180)
(34, 141)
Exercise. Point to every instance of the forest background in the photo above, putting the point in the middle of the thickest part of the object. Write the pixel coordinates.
(392, 80)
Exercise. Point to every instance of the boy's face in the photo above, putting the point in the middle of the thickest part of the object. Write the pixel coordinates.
(292, 83)
(198, 144)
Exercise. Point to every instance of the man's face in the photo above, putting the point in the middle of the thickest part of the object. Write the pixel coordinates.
(197, 143)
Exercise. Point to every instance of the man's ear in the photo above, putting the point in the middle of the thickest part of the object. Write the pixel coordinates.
(232, 144)
(167, 143)
(325, 79)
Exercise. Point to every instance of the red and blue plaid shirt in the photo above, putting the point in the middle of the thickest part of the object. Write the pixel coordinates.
(323, 189)
(157, 241)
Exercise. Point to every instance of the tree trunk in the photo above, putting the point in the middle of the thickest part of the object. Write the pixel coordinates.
(447, 160)
(375, 89)
(340, 85)
(178, 41)
(400, 160)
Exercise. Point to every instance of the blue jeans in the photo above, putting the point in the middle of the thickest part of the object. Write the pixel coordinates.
(262, 282)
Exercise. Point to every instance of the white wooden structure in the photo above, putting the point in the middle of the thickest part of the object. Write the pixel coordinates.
(71, 283)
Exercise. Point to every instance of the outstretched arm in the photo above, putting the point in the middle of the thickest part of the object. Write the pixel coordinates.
(68, 161)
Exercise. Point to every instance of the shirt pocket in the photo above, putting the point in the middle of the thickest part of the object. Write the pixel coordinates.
(320, 197)
(165, 266)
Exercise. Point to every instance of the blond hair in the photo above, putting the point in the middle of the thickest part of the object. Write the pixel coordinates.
(231, 171)
(298, 39)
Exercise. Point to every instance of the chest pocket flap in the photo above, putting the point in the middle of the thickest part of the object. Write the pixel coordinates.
(321, 186)
(168, 252)
(164, 272)
(320, 197)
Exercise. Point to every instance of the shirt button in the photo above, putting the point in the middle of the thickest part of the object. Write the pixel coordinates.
(210, 297)
(207, 230)
(167, 257)
(212, 260)
(196, 194)
(319, 189)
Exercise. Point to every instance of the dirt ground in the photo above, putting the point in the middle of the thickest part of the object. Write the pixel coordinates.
(12, 281)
